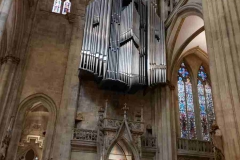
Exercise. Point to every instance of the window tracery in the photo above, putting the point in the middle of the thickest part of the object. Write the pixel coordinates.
(188, 111)
(186, 106)
(205, 103)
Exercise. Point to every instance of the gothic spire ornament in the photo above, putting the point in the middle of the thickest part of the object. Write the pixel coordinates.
(123, 45)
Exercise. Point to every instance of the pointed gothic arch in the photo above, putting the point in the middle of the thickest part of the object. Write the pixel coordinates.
(126, 137)
(201, 113)
(24, 152)
(29, 103)
(181, 13)
(203, 56)
(174, 24)
(126, 147)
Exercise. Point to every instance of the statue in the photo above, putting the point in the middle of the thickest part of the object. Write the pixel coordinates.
(216, 136)
(4, 147)
(6, 141)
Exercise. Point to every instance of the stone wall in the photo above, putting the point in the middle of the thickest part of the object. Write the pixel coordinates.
(83, 155)
(47, 60)
(92, 99)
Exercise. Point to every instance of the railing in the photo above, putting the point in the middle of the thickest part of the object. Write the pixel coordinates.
(194, 145)
(149, 142)
(84, 135)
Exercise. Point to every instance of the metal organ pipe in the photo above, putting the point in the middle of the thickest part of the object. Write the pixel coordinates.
(124, 45)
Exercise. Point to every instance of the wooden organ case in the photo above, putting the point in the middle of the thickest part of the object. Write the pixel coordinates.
(123, 46)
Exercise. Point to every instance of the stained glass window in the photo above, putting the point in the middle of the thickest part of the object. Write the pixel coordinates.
(205, 103)
(57, 6)
(186, 106)
(66, 7)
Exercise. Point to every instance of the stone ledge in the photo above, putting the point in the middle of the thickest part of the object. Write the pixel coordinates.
(79, 145)
(195, 153)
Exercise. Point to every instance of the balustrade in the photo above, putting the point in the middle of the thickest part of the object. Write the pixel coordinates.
(195, 145)
(84, 135)
(149, 142)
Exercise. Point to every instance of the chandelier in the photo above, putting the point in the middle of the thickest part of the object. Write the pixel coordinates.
(123, 46)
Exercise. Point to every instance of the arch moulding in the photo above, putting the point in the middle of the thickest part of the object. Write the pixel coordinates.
(177, 20)
(26, 105)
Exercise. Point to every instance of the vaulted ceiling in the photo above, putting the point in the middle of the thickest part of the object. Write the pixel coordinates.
(190, 34)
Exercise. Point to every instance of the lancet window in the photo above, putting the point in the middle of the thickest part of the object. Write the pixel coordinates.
(205, 103)
(195, 109)
(186, 106)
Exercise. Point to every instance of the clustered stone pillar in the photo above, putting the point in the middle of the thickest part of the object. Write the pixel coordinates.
(8, 67)
(222, 25)
(69, 102)
(7, 71)
(163, 123)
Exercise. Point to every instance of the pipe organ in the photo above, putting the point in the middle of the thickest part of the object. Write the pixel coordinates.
(124, 44)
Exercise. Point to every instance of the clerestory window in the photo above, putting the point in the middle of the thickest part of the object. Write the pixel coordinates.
(57, 5)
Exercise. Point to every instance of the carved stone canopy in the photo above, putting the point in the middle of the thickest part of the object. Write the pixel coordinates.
(110, 131)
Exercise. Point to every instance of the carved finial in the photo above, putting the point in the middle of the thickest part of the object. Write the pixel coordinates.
(125, 109)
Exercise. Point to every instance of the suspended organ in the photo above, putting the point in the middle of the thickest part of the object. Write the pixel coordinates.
(123, 44)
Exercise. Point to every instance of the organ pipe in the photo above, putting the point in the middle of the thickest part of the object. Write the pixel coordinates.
(124, 44)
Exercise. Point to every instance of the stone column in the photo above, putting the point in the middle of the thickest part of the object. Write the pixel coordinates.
(222, 25)
(164, 128)
(7, 71)
(68, 107)
(4, 11)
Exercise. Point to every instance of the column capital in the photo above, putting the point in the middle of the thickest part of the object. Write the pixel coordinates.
(10, 57)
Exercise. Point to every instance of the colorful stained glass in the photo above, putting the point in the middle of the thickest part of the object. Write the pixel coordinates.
(66, 7)
(205, 103)
(182, 108)
(202, 74)
(190, 110)
(203, 112)
(186, 106)
(183, 71)
(57, 6)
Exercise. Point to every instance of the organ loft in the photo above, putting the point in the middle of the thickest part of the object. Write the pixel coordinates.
(123, 45)
(119, 80)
